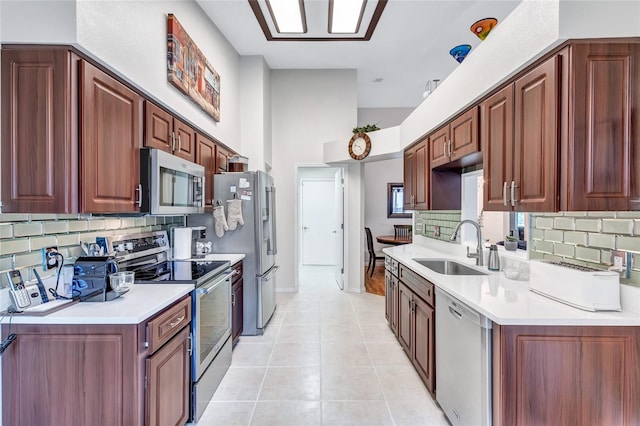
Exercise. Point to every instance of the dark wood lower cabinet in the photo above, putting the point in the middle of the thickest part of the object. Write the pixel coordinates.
(391, 301)
(167, 373)
(237, 304)
(98, 374)
(570, 376)
(416, 333)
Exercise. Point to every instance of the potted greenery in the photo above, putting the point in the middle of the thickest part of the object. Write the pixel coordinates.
(510, 243)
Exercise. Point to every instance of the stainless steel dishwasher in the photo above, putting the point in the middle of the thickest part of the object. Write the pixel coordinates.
(463, 362)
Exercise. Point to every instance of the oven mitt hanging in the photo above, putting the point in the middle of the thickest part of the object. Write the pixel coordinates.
(234, 209)
(220, 224)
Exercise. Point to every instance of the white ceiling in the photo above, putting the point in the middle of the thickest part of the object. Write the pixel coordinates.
(409, 46)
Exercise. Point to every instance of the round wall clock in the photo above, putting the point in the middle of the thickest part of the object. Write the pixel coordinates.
(359, 146)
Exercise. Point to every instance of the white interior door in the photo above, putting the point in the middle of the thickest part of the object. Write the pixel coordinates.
(318, 213)
(338, 228)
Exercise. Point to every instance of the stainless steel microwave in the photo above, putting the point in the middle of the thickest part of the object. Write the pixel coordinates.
(170, 184)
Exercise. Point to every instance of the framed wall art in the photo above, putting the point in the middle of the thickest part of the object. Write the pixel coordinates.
(189, 71)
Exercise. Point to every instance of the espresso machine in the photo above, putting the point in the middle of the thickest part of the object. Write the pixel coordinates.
(91, 278)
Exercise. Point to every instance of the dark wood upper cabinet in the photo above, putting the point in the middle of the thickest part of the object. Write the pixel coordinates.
(601, 148)
(206, 156)
(497, 147)
(168, 133)
(534, 183)
(520, 142)
(456, 140)
(222, 159)
(417, 176)
(39, 131)
(110, 141)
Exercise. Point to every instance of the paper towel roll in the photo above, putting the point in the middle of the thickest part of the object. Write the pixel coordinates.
(181, 243)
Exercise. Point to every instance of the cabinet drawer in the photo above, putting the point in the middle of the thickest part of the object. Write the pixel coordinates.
(419, 285)
(237, 268)
(167, 324)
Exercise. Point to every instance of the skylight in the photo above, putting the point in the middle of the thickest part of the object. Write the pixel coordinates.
(345, 15)
(288, 16)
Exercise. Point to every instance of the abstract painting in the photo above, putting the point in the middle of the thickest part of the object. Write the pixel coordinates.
(189, 70)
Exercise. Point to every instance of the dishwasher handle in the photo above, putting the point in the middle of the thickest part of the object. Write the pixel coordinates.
(456, 314)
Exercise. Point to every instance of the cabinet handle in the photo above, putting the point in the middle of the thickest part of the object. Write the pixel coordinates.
(513, 193)
(233, 299)
(179, 143)
(138, 199)
(450, 149)
(504, 192)
(173, 141)
(444, 148)
(176, 322)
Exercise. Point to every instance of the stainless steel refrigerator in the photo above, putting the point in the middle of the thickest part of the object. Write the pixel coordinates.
(256, 239)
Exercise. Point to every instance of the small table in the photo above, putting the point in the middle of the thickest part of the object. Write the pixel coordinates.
(393, 240)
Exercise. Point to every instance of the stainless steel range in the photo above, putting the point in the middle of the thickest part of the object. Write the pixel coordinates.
(147, 255)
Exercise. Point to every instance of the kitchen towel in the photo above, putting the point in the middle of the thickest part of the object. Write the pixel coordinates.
(182, 243)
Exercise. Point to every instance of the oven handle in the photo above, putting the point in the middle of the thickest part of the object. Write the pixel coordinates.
(209, 288)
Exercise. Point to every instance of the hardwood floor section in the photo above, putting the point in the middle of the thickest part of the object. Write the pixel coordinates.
(375, 284)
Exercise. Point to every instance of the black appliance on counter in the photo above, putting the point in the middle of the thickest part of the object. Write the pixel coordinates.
(147, 255)
(91, 278)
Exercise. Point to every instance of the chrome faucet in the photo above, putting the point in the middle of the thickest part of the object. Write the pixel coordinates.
(478, 254)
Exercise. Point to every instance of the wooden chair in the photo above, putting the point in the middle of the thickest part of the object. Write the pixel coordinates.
(373, 257)
(402, 231)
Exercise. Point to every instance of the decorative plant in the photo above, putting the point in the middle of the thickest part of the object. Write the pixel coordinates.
(510, 238)
(365, 129)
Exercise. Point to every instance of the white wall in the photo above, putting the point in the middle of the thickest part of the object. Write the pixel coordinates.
(383, 117)
(255, 133)
(38, 21)
(376, 176)
(308, 107)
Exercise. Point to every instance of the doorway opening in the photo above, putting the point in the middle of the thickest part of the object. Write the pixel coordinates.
(320, 225)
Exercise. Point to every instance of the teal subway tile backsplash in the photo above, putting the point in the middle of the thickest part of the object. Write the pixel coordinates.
(427, 221)
(586, 238)
(22, 236)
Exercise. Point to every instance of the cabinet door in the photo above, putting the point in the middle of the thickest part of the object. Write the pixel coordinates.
(423, 342)
(557, 375)
(405, 318)
(497, 147)
(439, 141)
(423, 173)
(535, 148)
(39, 134)
(206, 156)
(158, 128)
(237, 311)
(185, 143)
(167, 384)
(409, 179)
(222, 159)
(605, 145)
(111, 137)
(464, 134)
(394, 305)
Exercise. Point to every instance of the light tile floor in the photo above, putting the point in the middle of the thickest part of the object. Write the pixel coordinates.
(326, 358)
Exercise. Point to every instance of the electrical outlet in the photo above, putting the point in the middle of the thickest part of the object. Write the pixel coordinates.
(436, 232)
(50, 257)
(621, 262)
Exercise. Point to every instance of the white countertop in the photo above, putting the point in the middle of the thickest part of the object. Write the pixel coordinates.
(504, 301)
(139, 303)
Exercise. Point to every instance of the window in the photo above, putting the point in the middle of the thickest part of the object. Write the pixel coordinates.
(395, 200)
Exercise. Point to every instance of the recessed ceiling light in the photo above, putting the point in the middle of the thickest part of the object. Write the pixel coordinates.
(345, 15)
(288, 15)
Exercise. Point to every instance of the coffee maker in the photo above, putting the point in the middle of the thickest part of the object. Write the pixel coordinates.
(91, 278)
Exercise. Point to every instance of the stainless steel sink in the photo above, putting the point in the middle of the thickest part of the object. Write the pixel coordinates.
(448, 267)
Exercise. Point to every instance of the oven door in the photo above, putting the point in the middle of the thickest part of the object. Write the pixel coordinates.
(211, 323)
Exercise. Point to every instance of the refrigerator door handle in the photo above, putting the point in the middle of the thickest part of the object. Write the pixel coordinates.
(271, 273)
(272, 249)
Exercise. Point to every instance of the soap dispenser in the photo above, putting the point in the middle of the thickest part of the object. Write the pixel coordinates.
(494, 259)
